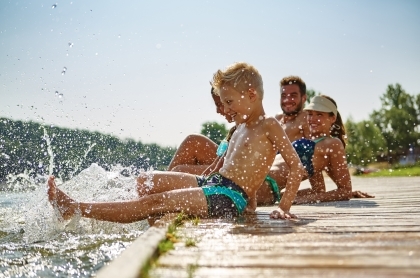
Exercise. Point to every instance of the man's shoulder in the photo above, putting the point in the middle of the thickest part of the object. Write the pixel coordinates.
(299, 117)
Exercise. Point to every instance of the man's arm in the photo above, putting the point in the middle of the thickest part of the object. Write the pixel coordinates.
(214, 167)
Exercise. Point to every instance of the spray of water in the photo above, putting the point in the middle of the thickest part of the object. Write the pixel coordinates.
(49, 151)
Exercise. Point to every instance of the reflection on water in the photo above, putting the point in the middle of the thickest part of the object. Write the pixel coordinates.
(35, 243)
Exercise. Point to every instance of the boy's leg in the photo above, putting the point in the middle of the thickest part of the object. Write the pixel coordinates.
(158, 182)
(190, 201)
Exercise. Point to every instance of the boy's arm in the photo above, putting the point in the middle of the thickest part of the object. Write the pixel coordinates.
(278, 137)
(214, 167)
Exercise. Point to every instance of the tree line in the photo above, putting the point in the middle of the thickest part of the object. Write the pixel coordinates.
(38, 150)
(390, 133)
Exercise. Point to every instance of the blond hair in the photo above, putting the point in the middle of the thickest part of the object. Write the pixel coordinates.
(241, 76)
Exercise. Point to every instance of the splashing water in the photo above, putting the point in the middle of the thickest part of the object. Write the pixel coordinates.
(49, 151)
(34, 242)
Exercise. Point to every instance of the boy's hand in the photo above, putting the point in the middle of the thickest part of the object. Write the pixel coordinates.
(279, 214)
(252, 205)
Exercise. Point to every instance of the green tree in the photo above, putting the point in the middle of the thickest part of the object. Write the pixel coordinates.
(398, 119)
(310, 94)
(36, 149)
(215, 131)
(365, 142)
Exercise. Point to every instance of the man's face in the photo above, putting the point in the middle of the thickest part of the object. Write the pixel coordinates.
(291, 101)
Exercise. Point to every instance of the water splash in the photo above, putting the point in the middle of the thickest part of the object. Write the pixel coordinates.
(35, 239)
(47, 139)
(79, 164)
(37, 242)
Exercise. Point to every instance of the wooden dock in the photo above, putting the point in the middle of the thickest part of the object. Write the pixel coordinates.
(377, 237)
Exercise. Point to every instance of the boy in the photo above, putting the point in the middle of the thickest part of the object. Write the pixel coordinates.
(249, 157)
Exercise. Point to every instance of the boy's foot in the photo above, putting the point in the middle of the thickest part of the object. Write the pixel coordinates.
(59, 200)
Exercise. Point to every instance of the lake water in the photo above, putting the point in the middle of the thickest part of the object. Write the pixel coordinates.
(34, 242)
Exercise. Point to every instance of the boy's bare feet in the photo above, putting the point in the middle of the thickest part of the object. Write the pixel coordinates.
(58, 199)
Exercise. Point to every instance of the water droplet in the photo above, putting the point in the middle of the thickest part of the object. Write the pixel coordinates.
(71, 44)
(54, 6)
(56, 93)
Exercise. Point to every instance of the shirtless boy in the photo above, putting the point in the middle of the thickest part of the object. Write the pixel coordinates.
(250, 154)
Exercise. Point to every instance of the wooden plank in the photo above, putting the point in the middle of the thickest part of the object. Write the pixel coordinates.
(377, 237)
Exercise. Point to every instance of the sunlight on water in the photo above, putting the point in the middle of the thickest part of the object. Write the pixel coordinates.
(35, 243)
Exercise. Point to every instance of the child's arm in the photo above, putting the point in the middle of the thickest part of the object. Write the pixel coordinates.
(278, 137)
(214, 167)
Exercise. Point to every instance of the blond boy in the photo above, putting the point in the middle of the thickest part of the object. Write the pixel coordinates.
(248, 159)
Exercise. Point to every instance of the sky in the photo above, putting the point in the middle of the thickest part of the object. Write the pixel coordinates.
(141, 69)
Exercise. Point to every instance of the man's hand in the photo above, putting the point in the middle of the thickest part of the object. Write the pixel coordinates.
(360, 194)
(279, 214)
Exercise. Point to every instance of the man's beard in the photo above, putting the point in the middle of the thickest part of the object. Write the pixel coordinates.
(294, 112)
